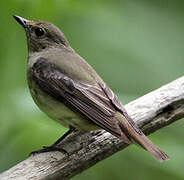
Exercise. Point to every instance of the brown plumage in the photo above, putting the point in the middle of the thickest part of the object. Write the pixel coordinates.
(69, 90)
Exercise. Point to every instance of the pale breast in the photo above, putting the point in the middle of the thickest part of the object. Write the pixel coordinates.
(57, 110)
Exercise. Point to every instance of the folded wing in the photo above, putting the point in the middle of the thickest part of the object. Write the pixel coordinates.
(89, 100)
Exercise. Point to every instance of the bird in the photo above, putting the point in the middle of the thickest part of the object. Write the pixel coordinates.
(66, 88)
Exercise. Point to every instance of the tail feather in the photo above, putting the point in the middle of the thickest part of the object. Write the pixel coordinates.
(156, 152)
(142, 140)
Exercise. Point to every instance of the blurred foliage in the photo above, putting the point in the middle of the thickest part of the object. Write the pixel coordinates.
(136, 46)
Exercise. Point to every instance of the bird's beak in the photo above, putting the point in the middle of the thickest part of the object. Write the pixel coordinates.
(21, 21)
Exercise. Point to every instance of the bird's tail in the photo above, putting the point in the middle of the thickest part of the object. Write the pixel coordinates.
(142, 140)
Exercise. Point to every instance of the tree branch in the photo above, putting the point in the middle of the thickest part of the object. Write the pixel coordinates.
(151, 112)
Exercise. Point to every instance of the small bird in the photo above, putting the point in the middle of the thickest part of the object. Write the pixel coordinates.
(69, 91)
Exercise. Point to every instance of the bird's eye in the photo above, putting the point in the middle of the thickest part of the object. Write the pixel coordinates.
(39, 32)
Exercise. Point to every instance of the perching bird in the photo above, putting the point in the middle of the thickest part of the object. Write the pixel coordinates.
(69, 90)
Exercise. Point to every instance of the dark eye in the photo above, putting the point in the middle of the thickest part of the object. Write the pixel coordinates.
(39, 32)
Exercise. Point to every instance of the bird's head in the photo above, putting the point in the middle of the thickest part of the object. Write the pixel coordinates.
(41, 34)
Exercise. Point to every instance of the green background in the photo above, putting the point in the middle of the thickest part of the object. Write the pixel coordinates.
(136, 46)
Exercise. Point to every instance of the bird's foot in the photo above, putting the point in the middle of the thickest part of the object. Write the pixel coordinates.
(54, 146)
(49, 149)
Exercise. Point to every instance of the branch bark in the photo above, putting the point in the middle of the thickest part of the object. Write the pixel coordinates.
(151, 112)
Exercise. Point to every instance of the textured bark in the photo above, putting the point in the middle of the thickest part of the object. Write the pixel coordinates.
(151, 112)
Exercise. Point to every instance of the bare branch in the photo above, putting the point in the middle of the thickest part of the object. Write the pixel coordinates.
(151, 112)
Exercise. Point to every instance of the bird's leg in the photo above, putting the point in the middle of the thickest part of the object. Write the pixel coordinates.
(54, 146)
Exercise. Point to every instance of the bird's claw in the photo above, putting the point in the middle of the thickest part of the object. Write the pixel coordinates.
(48, 149)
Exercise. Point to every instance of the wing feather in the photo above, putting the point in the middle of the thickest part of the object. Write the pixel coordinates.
(89, 100)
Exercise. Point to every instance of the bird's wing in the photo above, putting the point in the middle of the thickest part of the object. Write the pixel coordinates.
(90, 101)
(115, 101)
